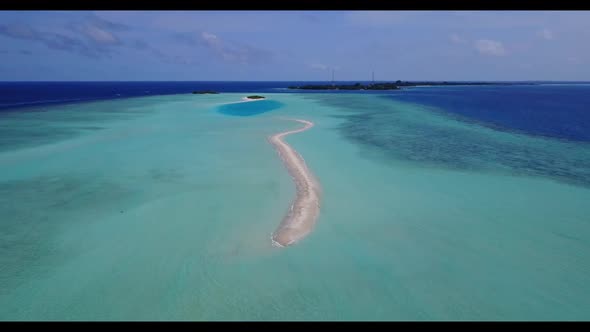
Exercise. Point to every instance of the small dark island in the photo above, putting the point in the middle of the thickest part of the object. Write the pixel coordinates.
(395, 85)
(205, 92)
(255, 97)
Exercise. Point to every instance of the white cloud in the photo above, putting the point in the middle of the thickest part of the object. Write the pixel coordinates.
(100, 35)
(456, 39)
(211, 39)
(546, 34)
(234, 52)
(490, 47)
(213, 42)
(319, 66)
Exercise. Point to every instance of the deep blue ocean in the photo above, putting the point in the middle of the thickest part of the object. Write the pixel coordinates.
(554, 110)
(26, 94)
(558, 110)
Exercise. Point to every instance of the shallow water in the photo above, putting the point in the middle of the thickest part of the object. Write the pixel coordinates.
(249, 108)
(163, 210)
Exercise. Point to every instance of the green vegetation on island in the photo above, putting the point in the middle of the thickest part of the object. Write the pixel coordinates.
(255, 97)
(357, 86)
(205, 92)
(393, 85)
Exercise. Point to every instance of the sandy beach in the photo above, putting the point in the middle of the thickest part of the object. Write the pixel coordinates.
(243, 100)
(305, 209)
(252, 99)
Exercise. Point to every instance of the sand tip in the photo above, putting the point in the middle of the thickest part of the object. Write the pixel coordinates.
(275, 243)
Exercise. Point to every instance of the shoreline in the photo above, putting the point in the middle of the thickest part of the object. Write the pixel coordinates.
(305, 209)
(243, 100)
(252, 99)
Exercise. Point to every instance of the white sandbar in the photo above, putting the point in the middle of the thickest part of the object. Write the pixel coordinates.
(305, 209)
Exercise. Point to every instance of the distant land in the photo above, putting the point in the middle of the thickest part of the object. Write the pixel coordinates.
(394, 85)
(205, 92)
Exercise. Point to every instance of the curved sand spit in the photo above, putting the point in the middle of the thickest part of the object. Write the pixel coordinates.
(304, 211)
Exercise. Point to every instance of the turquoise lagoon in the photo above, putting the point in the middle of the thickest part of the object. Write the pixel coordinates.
(161, 208)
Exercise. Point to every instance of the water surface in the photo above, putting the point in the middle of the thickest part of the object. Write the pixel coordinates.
(161, 208)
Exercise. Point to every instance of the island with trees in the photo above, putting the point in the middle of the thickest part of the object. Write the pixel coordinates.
(205, 92)
(394, 85)
(255, 97)
(357, 86)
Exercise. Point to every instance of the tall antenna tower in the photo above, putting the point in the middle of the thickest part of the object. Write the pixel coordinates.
(373, 77)
(332, 77)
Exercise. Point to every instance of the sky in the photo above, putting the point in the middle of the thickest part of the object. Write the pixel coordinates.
(294, 45)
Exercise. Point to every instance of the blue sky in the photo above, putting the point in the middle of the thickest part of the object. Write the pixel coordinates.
(294, 45)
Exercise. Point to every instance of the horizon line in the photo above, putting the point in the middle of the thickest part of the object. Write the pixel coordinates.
(241, 81)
